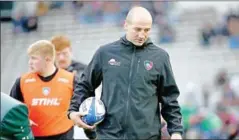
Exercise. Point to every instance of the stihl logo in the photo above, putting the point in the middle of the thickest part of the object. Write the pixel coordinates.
(46, 102)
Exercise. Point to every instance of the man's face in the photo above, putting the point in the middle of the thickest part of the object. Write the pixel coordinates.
(63, 58)
(233, 26)
(37, 63)
(138, 31)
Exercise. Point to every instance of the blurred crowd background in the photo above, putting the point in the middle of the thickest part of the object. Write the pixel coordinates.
(202, 39)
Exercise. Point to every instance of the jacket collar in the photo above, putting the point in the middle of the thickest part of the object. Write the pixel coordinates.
(127, 43)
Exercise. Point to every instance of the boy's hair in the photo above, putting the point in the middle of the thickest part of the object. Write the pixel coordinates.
(60, 42)
(43, 48)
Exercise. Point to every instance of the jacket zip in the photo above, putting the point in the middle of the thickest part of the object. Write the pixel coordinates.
(138, 66)
(129, 90)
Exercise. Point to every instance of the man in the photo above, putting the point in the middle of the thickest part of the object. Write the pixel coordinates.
(136, 76)
(14, 119)
(232, 25)
(64, 60)
(46, 90)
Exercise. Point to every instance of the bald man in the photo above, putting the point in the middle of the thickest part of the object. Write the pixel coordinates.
(136, 76)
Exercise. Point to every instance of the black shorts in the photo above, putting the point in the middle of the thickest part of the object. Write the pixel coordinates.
(64, 136)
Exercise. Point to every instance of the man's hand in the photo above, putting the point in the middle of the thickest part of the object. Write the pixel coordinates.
(76, 118)
(176, 136)
(32, 123)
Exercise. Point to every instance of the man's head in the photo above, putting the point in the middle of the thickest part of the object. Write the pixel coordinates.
(41, 56)
(138, 24)
(63, 51)
(233, 24)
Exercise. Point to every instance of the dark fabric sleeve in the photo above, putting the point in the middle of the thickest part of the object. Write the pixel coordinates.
(168, 96)
(16, 91)
(80, 68)
(16, 122)
(85, 86)
(77, 67)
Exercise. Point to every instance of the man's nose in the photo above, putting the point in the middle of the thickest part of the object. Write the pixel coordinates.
(61, 57)
(141, 34)
(29, 62)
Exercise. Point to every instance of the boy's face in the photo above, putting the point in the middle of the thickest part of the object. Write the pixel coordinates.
(37, 63)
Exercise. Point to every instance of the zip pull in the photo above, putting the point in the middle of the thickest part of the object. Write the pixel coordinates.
(138, 65)
(139, 61)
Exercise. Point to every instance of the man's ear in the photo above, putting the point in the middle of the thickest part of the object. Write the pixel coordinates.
(125, 25)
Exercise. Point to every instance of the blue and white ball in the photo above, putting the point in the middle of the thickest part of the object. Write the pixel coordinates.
(94, 109)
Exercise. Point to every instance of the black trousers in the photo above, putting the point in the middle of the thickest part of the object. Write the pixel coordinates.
(68, 135)
(90, 134)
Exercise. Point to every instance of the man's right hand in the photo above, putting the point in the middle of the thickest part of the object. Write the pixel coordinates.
(76, 118)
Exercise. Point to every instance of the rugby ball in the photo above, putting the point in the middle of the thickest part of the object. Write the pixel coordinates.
(94, 109)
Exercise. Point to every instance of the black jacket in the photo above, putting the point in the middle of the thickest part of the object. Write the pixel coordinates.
(134, 81)
(76, 67)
